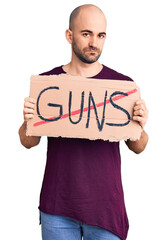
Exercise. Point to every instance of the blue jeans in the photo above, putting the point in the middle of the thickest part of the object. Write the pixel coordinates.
(56, 227)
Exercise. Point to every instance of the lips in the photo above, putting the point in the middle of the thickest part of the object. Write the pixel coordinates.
(92, 51)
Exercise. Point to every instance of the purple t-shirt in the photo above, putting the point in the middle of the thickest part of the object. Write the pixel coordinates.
(82, 178)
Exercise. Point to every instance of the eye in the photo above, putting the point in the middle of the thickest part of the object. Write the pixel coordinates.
(86, 34)
(101, 36)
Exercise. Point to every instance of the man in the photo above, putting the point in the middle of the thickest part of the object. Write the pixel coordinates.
(82, 193)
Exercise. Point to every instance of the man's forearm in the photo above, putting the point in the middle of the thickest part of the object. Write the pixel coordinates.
(139, 145)
(27, 141)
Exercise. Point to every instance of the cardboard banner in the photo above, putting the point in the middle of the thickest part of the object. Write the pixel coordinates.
(79, 107)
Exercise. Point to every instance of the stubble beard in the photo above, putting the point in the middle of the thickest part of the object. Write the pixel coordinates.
(81, 54)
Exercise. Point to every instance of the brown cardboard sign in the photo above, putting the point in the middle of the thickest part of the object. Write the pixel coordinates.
(79, 107)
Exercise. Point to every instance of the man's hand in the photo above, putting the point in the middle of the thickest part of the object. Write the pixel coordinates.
(28, 113)
(140, 113)
(29, 108)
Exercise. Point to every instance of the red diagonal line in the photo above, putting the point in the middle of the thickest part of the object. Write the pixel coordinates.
(86, 108)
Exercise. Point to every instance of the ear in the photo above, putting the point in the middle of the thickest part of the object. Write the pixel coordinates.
(69, 35)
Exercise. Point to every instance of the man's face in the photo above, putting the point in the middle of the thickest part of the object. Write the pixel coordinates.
(89, 36)
(87, 51)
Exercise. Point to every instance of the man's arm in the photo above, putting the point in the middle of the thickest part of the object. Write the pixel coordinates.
(28, 141)
(140, 115)
(139, 145)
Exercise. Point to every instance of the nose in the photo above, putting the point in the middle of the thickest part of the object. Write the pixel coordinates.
(93, 42)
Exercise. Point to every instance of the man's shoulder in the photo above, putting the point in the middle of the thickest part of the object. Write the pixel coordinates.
(54, 71)
(109, 73)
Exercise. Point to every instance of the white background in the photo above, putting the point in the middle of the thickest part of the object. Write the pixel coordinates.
(33, 41)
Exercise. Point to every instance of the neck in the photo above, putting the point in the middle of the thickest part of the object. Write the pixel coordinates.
(78, 68)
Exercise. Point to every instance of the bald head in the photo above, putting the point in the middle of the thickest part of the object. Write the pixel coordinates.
(86, 33)
(86, 8)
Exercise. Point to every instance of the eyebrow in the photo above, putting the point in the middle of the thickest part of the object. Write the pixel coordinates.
(86, 30)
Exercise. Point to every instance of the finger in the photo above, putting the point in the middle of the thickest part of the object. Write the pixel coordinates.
(29, 99)
(28, 116)
(28, 110)
(140, 101)
(140, 120)
(140, 106)
(139, 112)
(29, 105)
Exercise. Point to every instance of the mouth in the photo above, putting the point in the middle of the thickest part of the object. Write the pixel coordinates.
(92, 52)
